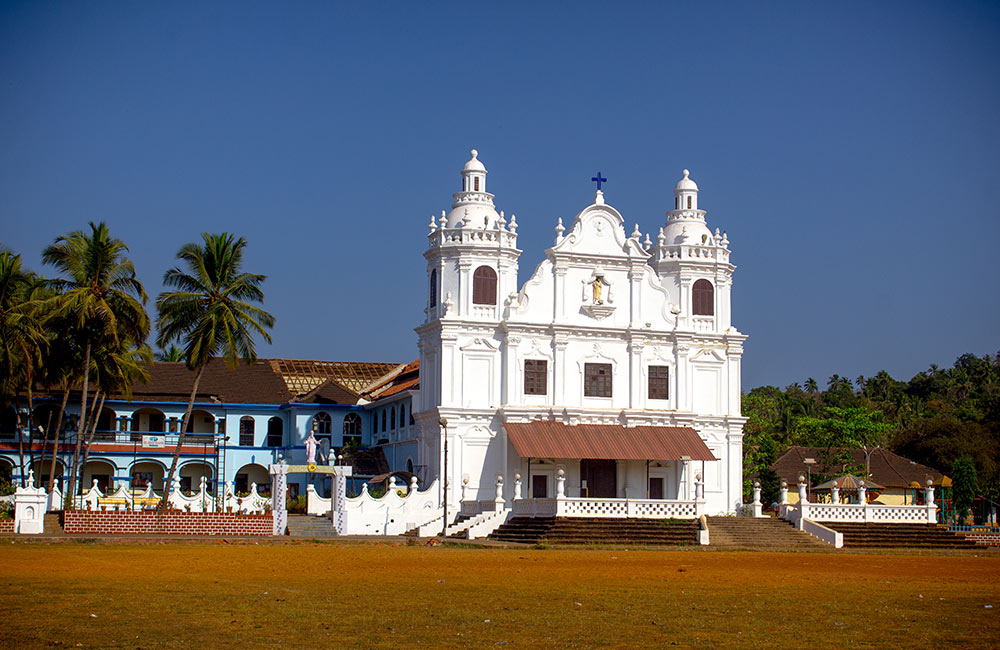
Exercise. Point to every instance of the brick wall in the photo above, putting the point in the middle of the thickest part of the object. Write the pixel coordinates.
(166, 523)
(984, 539)
(6, 525)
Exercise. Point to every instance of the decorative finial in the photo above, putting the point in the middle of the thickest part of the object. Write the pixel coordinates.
(686, 172)
(635, 233)
(475, 154)
(661, 237)
(513, 223)
(560, 229)
(433, 224)
(648, 243)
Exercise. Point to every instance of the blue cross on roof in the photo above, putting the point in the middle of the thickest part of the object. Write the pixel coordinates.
(599, 179)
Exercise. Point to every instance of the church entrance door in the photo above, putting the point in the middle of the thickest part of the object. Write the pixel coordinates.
(601, 477)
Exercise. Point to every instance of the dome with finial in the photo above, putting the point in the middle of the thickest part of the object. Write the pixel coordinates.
(686, 183)
(473, 206)
(474, 165)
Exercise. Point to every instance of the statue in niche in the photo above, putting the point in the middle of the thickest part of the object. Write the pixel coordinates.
(598, 286)
(600, 290)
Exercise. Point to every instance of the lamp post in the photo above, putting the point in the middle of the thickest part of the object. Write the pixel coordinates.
(809, 462)
(444, 478)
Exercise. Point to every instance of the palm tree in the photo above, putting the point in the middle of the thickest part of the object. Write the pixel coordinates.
(101, 299)
(115, 373)
(213, 312)
(22, 339)
(172, 353)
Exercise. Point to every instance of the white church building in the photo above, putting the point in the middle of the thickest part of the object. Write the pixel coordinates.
(609, 384)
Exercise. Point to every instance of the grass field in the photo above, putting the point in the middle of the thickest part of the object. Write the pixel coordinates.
(310, 595)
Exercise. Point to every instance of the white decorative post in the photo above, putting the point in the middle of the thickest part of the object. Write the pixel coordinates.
(929, 502)
(338, 494)
(392, 485)
(783, 493)
(560, 484)
(413, 484)
(835, 494)
(699, 495)
(803, 498)
(465, 488)
(517, 486)
(863, 499)
(757, 509)
(803, 501)
(499, 497)
(279, 491)
(29, 508)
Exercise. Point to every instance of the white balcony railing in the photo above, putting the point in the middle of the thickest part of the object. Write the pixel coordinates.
(612, 508)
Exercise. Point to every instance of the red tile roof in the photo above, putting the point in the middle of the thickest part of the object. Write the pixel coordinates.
(407, 378)
(887, 468)
(547, 439)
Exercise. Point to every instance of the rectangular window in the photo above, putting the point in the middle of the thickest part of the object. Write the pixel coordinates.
(659, 382)
(597, 379)
(535, 376)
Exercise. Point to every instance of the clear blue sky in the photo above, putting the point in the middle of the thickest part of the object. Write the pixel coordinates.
(850, 149)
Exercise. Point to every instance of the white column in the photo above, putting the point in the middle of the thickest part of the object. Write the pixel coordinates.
(517, 486)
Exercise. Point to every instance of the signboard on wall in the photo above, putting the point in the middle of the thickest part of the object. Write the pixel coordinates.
(153, 441)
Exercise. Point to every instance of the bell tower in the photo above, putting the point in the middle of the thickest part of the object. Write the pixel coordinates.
(471, 272)
(693, 263)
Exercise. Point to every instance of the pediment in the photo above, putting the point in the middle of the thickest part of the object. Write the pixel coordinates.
(599, 230)
(709, 355)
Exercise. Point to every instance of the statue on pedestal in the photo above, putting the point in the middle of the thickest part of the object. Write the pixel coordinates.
(311, 443)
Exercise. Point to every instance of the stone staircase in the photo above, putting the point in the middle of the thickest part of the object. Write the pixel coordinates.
(310, 526)
(53, 525)
(763, 534)
(580, 530)
(907, 536)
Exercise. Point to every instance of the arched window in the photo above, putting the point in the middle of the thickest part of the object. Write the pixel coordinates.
(689, 203)
(383, 421)
(677, 203)
(352, 430)
(409, 465)
(703, 298)
(402, 415)
(475, 182)
(392, 418)
(322, 425)
(433, 289)
(484, 286)
(246, 431)
(275, 431)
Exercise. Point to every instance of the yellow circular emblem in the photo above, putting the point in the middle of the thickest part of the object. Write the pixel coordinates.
(312, 467)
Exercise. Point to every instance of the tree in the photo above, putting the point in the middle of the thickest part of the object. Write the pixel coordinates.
(963, 491)
(172, 354)
(100, 297)
(213, 312)
(22, 339)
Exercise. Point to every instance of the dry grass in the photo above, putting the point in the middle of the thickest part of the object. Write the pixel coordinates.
(215, 595)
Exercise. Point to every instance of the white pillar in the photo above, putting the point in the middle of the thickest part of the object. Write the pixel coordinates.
(783, 493)
(757, 509)
(499, 497)
(413, 484)
(517, 486)
(561, 484)
(465, 488)
(802, 490)
(835, 494)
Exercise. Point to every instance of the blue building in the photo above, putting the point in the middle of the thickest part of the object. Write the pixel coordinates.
(243, 420)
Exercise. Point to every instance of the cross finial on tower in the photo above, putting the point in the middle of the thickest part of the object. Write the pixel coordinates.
(599, 179)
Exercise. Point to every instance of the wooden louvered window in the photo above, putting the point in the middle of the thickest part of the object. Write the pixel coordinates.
(484, 286)
(703, 298)
(535, 376)
(433, 300)
(659, 382)
(597, 379)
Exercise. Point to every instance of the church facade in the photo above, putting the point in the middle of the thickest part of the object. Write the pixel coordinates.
(612, 374)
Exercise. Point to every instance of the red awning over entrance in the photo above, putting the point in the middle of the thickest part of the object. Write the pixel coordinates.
(546, 439)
